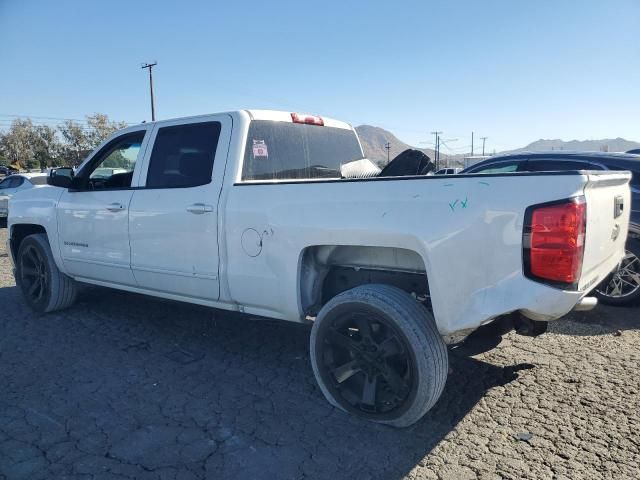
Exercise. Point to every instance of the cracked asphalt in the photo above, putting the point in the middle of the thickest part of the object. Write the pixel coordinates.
(123, 386)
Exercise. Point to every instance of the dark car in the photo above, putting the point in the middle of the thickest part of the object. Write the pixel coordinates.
(7, 171)
(622, 287)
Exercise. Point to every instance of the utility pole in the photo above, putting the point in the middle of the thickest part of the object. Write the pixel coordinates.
(483, 140)
(150, 67)
(437, 151)
(388, 147)
(472, 144)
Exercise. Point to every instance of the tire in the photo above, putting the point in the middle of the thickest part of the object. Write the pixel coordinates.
(376, 353)
(622, 287)
(44, 287)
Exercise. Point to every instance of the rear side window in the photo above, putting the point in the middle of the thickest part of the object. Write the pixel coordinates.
(293, 151)
(560, 165)
(183, 155)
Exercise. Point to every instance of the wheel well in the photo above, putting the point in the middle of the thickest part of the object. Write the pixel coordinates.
(327, 270)
(20, 232)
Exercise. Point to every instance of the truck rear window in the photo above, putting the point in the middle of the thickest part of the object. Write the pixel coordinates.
(286, 151)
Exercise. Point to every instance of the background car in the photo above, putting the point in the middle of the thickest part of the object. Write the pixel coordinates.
(21, 181)
(16, 183)
(448, 171)
(622, 287)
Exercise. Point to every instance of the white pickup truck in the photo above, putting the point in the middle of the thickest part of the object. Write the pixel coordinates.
(278, 215)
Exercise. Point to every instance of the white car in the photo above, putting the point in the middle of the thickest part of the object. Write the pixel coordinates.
(4, 207)
(16, 183)
(448, 171)
(263, 212)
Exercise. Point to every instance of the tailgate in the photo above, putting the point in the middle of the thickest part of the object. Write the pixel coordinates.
(608, 208)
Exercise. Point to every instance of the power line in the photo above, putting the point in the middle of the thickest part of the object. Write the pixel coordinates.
(41, 117)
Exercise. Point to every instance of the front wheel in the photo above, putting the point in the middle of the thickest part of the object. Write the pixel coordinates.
(45, 288)
(622, 287)
(376, 353)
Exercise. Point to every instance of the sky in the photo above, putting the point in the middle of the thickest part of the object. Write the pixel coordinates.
(513, 71)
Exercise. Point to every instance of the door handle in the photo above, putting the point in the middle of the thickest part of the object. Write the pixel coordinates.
(199, 208)
(115, 207)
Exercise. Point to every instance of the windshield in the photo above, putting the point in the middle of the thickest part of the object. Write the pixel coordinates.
(284, 151)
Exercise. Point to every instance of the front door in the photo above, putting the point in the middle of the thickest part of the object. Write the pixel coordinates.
(173, 215)
(93, 215)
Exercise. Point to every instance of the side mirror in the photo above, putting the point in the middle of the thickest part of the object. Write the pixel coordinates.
(61, 177)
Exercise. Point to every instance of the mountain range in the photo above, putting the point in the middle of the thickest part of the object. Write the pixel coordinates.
(374, 139)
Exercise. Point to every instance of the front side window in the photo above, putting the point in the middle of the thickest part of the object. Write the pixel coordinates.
(504, 167)
(183, 155)
(285, 151)
(112, 167)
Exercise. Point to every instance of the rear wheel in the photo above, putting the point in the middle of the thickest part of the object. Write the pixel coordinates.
(45, 288)
(622, 287)
(376, 353)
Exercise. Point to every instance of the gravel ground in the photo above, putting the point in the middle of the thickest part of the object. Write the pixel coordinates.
(124, 386)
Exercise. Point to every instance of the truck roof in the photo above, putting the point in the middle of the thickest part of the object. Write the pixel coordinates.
(257, 114)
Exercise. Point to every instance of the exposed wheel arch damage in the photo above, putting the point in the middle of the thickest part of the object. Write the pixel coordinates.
(327, 270)
(21, 231)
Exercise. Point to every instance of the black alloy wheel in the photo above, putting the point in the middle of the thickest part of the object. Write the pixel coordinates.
(34, 275)
(367, 363)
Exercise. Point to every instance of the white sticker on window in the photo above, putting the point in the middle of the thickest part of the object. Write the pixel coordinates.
(260, 149)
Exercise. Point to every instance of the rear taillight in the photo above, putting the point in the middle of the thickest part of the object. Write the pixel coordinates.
(308, 119)
(554, 242)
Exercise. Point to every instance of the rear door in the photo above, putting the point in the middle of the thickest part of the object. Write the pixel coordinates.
(173, 226)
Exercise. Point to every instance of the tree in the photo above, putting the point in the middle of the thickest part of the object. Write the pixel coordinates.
(16, 143)
(79, 140)
(46, 146)
(76, 143)
(101, 127)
